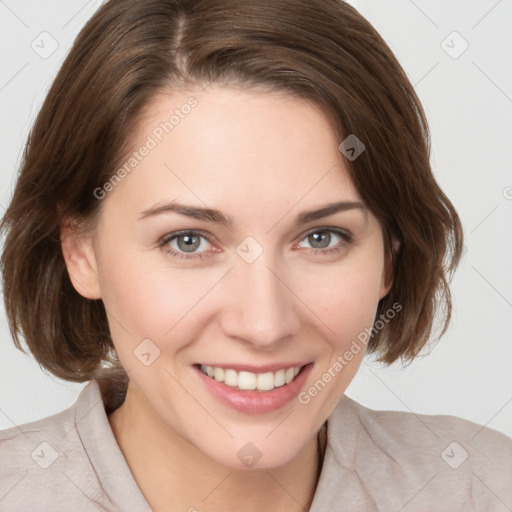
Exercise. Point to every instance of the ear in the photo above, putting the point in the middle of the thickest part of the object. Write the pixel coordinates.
(390, 258)
(80, 258)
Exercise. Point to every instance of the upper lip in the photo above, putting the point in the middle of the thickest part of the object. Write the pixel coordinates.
(257, 369)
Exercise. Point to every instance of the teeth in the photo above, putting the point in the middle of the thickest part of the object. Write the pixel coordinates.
(250, 381)
(247, 380)
(218, 373)
(230, 378)
(266, 381)
(279, 378)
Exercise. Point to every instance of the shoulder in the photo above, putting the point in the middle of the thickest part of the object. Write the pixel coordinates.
(44, 462)
(414, 436)
(409, 427)
(34, 441)
(437, 456)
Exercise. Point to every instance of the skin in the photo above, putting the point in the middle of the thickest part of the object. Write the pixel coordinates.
(260, 158)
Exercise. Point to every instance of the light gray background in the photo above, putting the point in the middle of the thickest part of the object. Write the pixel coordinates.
(468, 101)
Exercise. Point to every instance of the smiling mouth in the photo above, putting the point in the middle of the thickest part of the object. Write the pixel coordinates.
(249, 381)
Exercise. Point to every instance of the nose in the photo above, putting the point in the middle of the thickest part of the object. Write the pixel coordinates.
(260, 307)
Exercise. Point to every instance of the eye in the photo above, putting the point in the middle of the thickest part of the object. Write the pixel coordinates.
(327, 240)
(186, 245)
(195, 245)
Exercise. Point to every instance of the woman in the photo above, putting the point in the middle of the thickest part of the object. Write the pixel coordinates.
(223, 205)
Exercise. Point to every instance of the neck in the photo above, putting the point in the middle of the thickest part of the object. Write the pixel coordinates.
(174, 475)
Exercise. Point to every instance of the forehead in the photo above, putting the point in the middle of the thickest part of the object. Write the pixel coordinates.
(234, 148)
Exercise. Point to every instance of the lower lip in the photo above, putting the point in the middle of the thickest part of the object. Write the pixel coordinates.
(256, 402)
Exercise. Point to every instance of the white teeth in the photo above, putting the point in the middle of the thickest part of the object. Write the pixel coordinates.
(289, 375)
(247, 380)
(279, 378)
(266, 381)
(250, 381)
(218, 373)
(231, 378)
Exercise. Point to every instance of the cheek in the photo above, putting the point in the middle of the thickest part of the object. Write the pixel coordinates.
(345, 300)
(148, 300)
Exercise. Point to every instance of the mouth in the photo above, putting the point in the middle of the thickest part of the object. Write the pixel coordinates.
(251, 381)
(259, 391)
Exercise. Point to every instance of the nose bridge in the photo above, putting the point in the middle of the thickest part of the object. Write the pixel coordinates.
(261, 309)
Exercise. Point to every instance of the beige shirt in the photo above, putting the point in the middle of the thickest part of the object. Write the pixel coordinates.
(373, 461)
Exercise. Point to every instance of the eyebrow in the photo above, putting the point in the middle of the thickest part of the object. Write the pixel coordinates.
(217, 217)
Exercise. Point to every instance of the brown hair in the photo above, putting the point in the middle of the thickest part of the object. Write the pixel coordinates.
(320, 50)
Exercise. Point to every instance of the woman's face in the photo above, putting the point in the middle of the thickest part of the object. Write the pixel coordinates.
(207, 252)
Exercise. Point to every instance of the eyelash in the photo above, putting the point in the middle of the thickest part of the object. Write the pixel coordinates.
(346, 240)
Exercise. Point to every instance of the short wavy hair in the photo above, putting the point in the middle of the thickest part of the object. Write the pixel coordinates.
(323, 51)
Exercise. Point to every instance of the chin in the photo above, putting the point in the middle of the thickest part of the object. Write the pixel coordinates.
(249, 453)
